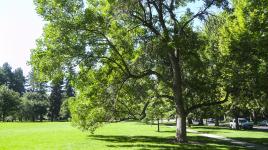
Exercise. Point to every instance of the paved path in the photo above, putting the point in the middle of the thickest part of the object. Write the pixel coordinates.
(262, 128)
(245, 144)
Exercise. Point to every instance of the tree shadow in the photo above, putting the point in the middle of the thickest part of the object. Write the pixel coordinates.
(208, 129)
(259, 141)
(165, 143)
(167, 131)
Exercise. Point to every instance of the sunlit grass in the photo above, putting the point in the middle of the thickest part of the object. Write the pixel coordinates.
(124, 135)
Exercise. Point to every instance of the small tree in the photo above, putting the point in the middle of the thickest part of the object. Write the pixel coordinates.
(9, 102)
(157, 111)
(34, 106)
(65, 110)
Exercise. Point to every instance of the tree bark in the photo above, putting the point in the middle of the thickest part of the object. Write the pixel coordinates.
(181, 129)
(236, 123)
(217, 121)
(254, 117)
(33, 118)
(177, 92)
(190, 122)
(41, 118)
(158, 126)
(201, 122)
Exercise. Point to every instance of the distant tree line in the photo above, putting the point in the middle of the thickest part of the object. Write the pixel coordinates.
(27, 99)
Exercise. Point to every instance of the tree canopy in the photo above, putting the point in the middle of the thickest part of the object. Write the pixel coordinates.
(127, 53)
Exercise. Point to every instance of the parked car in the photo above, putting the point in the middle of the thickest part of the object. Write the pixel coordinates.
(242, 122)
(210, 122)
(263, 123)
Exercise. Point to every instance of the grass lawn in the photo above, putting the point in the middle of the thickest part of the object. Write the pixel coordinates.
(124, 135)
(252, 136)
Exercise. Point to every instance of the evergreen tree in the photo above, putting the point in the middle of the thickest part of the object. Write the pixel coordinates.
(33, 85)
(19, 81)
(55, 99)
(7, 75)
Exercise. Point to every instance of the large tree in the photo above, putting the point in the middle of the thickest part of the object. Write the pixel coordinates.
(118, 43)
(243, 42)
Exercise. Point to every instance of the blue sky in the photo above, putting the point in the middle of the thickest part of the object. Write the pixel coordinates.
(20, 26)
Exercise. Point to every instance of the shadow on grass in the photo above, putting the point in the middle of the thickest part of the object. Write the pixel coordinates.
(213, 129)
(165, 143)
(165, 124)
(210, 127)
(261, 141)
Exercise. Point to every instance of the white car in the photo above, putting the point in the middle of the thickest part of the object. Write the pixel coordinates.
(242, 122)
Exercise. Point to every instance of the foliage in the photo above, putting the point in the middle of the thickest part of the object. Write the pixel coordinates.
(34, 106)
(116, 44)
(35, 85)
(9, 102)
(14, 80)
(55, 99)
(241, 43)
(86, 114)
(65, 109)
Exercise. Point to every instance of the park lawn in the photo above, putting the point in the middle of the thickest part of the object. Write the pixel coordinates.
(124, 135)
(252, 136)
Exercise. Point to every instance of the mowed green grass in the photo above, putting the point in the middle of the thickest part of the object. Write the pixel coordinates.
(124, 135)
(252, 136)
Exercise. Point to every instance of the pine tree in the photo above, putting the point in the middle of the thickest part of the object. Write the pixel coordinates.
(55, 99)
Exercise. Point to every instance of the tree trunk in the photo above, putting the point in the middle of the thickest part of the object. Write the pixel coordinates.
(174, 58)
(217, 121)
(41, 118)
(52, 118)
(33, 118)
(190, 122)
(158, 126)
(201, 121)
(236, 123)
(181, 129)
(254, 117)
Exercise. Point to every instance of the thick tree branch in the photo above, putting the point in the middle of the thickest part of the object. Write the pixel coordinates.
(159, 9)
(126, 69)
(128, 109)
(202, 12)
(170, 10)
(147, 24)
(148, 73)
(117, 52)
(166, 96)
(143, 112)
(209, 103)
